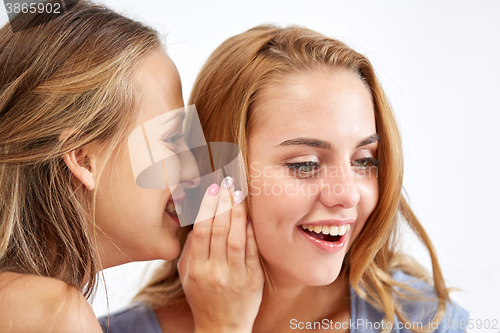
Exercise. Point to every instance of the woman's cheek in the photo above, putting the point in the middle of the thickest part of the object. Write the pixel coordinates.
(173, 172)
(368, 200)
(371, 195)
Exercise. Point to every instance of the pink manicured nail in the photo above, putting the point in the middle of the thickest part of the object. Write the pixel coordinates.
(227, 182)
(237, 197)
(213, 189)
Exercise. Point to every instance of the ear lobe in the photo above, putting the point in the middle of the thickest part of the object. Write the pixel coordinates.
(80, 162)
(81, 168)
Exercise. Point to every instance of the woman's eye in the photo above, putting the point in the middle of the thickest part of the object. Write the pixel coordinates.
(365, 162)
(173, 139)
(305, 167)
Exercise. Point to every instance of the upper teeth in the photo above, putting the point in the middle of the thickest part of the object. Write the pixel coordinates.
(171, 208)
(328, 230)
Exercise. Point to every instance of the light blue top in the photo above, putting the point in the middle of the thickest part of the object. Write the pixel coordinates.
(140, 318)
(369, 319)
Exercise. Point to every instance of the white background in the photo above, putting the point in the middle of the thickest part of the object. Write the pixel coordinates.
(439, 63)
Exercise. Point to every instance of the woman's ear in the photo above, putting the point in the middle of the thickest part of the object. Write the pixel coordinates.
(81, 162)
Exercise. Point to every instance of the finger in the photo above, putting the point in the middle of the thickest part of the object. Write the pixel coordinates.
(202, 227)
(236, 241)
(183, 259)
(252, 252)
(220, 227)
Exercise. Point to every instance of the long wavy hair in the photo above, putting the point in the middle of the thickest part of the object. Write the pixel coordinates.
(69, 72)
(224, 93)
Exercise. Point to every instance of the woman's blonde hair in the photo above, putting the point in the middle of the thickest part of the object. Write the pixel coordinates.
(69, 72)
(224, 92)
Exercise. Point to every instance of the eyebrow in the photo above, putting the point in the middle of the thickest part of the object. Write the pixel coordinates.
(322, 144)
(368, 140)
(306, 142)
(174, 114)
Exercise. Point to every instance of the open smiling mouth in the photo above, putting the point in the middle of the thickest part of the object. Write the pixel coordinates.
(170, 208)
(326, 233)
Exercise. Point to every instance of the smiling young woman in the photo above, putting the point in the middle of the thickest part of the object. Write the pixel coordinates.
(325, 170)
(309, 126)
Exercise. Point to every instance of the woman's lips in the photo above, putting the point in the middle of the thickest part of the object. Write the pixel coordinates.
(331, 222)
(174, 209)
(173, 216)
(176, 202)
(178, 199)
(330, 242)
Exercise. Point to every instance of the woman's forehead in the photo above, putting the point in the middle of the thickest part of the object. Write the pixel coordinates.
(312, 98)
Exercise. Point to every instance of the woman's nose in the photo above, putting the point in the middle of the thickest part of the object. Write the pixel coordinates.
(190, 174)
(340, 187)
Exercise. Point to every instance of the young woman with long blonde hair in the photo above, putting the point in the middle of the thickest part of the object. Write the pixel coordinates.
(325, 171)
(72, 88)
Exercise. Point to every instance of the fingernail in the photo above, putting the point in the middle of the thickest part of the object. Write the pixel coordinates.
(248, 221)
(237, 197)
(227, 182)
(213, 189)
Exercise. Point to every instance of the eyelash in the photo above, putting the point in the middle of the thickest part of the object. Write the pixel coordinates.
(173, 139)
(366, 161)
(298, 165)
(295, 168)
(361, 163)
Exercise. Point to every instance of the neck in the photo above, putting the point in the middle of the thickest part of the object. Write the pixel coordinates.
(110, 254)
(286, 300)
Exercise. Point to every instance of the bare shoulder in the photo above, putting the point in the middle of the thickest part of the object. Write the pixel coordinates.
(31, 303)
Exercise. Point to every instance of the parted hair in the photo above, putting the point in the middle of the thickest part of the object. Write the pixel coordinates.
(224, 92)
(71, 72)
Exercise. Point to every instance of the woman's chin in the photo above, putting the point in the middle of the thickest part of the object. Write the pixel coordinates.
(172, 251)
(165, 247)
(319, 279)
(309, 276)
